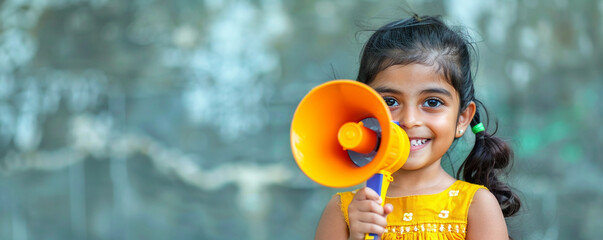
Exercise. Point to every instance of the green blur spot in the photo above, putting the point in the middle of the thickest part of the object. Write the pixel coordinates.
(558, 130)
(571, 153)
(531, 142)
(534, 140)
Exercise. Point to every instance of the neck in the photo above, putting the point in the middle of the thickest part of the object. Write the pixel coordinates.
(430, 180)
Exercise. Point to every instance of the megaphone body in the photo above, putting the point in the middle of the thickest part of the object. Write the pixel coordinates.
(342, 134)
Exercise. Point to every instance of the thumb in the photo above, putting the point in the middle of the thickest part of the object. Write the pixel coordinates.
(387, 209)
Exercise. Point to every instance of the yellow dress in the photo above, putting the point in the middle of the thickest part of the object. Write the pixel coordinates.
(436, 216)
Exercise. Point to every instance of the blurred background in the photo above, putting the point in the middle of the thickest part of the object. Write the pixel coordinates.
(150, 119)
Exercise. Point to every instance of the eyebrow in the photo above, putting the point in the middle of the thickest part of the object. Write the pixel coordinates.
(437, 90)
(425, 91)
(387, 90)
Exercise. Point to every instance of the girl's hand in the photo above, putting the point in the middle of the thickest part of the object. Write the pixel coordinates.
(366, 214)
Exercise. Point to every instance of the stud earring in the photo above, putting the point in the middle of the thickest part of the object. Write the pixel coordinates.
(461, 131)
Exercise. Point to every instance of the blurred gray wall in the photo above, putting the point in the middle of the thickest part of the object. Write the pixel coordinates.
(151, 119)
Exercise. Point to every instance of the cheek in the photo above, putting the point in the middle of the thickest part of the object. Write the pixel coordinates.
(443, 126)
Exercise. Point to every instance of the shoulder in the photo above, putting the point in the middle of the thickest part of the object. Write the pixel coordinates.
(484, 201)
(485, 218)
(335, 201)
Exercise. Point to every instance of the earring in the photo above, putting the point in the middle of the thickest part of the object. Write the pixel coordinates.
(461, 131)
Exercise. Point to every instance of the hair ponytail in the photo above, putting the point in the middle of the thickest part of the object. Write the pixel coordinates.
(488, 160)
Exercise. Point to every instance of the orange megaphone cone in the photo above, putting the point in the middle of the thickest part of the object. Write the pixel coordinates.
(342, 134)
(328, 131)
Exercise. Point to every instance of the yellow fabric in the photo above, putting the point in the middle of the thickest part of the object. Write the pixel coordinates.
(437, 216)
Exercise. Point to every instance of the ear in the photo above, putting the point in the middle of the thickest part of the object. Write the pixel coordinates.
(465, 119)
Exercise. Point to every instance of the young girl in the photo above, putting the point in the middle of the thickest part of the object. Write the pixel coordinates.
(422, 68)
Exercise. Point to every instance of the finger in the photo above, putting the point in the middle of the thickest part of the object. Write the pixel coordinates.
(360, 231)
(366, 193)
(362, 227)
(367, 206)
(371, 218)
(369, 228)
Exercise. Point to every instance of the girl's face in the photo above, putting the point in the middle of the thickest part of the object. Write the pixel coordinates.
(427, 107)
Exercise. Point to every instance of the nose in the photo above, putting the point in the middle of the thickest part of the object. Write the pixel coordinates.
(407, 117)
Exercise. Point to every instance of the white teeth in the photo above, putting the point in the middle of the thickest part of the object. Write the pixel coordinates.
(415, 142)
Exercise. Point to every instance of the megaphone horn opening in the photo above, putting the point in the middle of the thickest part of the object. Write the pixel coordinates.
(319, 119)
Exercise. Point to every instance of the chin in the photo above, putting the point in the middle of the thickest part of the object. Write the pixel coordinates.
(417, 164)
(409, 166)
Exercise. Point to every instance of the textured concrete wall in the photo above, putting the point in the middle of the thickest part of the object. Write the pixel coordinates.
(151, 119)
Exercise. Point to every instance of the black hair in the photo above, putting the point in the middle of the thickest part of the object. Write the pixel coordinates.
(428, 40)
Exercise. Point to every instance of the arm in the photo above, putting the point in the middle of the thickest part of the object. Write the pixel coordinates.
(365, 213)
(332, 224)
(486, 220)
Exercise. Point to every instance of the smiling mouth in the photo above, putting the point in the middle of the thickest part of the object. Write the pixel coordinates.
(418, 142)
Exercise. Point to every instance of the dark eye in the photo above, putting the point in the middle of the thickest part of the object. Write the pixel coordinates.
(390, 101)
(432, 103)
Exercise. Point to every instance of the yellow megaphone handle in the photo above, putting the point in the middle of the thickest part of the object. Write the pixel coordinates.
(379, 183)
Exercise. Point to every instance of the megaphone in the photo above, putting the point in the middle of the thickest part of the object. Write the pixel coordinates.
(342, 134)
